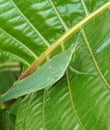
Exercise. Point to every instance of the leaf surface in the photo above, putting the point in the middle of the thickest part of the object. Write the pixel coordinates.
(79, 101)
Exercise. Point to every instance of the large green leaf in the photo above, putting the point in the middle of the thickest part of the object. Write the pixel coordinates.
(78, 101)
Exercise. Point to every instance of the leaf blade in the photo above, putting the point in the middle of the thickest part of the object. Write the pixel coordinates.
(89, 94)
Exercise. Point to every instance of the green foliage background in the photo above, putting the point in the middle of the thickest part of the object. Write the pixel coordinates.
(80, 99)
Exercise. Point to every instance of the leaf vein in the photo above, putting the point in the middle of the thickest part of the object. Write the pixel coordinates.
(4, 31)
(24, 61)
(72, 102)
(58, 15)
(94, 60)
(32, 26)
(85, 8)
(90, 50)
(44, 99)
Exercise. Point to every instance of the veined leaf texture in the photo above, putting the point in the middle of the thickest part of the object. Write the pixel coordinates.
(78, 101)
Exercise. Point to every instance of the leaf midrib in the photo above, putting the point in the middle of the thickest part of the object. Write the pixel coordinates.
(71, 99)
(63, 39)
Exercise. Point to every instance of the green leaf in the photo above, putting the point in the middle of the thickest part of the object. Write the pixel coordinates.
(81, 99)
(5, 121)
(9, 71)
(18, 36)
(78, 101)
(45, 76)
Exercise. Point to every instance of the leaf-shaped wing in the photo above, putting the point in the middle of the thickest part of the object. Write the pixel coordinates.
(45, 76)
